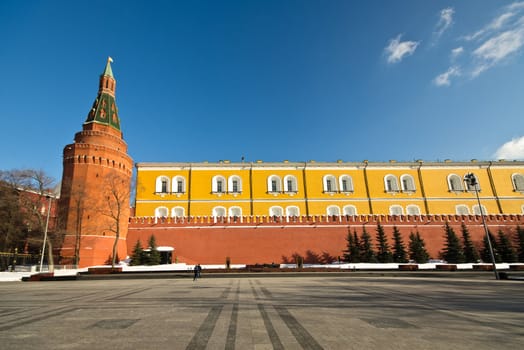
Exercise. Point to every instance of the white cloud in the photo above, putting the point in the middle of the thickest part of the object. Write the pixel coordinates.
(497, 48)
(457, 52)
(397, 50)
(444, 78)
(513, 149)
(516, 6)
(445, 20)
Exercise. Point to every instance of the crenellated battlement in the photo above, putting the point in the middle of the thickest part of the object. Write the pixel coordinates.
(325, 220)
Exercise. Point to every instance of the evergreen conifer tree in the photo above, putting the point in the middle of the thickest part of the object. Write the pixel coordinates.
(485, 254)
(366, 252)
(137, 255)
(520, 243)
(506, 250)
(153, 257)
(471, 254)
(453, 251)
(399, 250)
(348, 256)
(417, 248)
(356, 247)
(383, 252)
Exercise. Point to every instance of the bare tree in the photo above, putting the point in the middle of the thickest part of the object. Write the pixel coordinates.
(34, 188)
(77, 201)
(117, 190)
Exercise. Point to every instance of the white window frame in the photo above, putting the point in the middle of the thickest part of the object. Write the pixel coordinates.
(332, 180)
(395, 209)
(276, 211)
(292, 211)
(461, 209)
(158, 186)
(235, 213)
(413, 209)
(219, 212)
(472, 188)
(518, 182)
(349, 182)
(161, 212)
(455, 183)
(278, 182)
(407, 183)
(476, 210)
(230, 184)
(294, 184)
(176, 179)
(333, 210)
(178, 212)
(391, 183)
(349, 210)
(214, 184)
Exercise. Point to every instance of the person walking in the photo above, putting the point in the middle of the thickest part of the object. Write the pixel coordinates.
(196, 272)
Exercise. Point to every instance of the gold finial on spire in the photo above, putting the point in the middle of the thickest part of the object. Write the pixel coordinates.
(109, 59)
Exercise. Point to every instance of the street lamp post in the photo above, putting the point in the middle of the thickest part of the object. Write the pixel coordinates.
(471, 180)
(45, 232)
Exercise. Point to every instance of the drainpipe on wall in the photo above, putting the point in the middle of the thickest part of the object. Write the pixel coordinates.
(422, 190)
(367, 187)
(251, 189)
(305, 188)
(492, 184)
(189, 193)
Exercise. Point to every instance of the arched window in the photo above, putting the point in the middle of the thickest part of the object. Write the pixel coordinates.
(413, 209)
(177, 212)
(179, 184)
(471, 187)
(518, 182)
(476, 210)
(333, 210)
(218, 184)
(391, 183)
(330, 184)
(219, 212)
(290, 184)
(349, 210)
(455, 183)
(292, 211)
(408, 183)
(396, 210)
(275, 211)
(235, 213)
(274, 184)
(162, 184)
(161, 212)
(461, 209)
(234, 184)
(345, 184)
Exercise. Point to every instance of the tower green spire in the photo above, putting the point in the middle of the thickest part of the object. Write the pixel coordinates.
(108, 71)
(104, 110)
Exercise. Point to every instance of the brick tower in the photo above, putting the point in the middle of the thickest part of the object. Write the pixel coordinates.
(96, 179)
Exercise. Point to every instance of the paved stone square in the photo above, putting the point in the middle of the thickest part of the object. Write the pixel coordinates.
(313, 312)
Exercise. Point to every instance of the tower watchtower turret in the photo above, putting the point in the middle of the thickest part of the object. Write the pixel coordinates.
(96, 180)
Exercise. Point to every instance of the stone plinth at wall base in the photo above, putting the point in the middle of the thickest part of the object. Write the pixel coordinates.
(516, 267)
(408, 267)
(43, 276)
(104, 270)
(446, 267)
(483, 267)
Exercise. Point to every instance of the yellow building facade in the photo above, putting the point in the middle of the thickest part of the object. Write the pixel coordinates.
(294, 189)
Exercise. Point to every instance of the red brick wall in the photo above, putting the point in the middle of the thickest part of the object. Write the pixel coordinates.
(320, 239)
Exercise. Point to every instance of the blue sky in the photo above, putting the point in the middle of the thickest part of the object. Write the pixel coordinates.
(270, 80)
